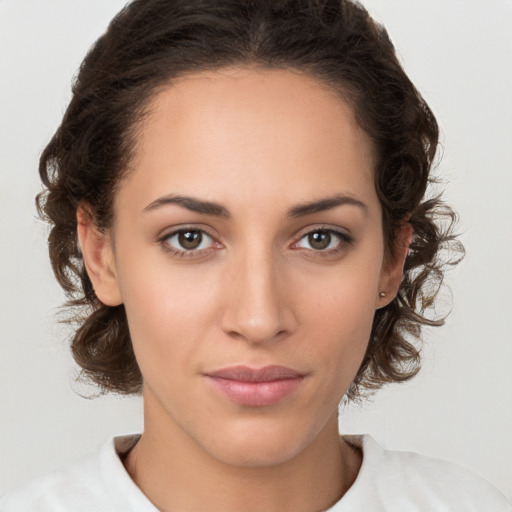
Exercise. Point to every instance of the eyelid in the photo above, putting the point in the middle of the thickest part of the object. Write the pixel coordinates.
(175, 230)
(345, 239)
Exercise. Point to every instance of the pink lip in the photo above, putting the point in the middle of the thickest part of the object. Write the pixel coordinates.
(255, 387)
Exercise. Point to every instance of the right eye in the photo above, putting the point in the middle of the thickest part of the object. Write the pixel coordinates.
(188, 240)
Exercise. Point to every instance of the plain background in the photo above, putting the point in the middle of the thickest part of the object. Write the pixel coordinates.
(458, 52)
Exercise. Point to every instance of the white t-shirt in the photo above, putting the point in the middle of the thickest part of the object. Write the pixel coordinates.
(388, 481)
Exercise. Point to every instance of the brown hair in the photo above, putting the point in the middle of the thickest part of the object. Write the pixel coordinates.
(149, 43)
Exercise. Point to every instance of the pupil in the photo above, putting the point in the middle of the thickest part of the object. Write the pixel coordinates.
(319, 240)
(190, 239)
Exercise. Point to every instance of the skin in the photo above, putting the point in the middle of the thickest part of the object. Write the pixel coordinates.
(259, 144)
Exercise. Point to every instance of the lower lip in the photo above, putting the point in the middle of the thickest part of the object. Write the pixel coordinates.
(256, 394)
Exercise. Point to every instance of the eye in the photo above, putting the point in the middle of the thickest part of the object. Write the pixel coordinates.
(323, 240)
(188, 240)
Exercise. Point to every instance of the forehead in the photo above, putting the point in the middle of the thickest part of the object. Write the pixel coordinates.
(264, 130)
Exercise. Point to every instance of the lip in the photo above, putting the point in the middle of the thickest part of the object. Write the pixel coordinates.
(255, 387)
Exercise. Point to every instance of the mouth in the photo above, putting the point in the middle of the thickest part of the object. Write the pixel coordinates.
(255, 387)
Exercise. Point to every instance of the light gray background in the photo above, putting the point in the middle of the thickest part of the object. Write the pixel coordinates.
(459, 408)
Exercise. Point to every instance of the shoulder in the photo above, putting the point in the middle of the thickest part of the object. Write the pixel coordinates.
(98, 482)
(395, 480)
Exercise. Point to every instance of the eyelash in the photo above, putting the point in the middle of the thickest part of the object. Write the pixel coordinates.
(344, 240)
(183, 253)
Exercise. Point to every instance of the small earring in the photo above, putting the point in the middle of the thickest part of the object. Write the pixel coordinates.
(382, 294)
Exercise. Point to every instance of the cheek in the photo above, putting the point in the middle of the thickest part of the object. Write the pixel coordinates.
(337, 315)
(168, 310)
(343, 343)
(342, 297)
(343, 321)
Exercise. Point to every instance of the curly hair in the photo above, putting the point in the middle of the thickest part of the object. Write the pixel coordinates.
(150, 43)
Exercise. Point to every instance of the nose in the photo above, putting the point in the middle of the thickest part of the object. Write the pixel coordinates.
(257, 309)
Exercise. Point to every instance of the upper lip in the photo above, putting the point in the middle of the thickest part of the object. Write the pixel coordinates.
(246, 374)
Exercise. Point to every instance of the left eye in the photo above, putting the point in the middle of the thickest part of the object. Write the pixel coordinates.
(189, 240)
(321, 240)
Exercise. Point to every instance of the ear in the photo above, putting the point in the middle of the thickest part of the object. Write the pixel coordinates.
(99, 260)
(393, 269)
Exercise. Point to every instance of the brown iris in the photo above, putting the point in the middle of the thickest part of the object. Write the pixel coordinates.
(319, 240)
(190, 239)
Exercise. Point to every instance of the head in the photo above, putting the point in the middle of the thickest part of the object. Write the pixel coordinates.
(182, 89)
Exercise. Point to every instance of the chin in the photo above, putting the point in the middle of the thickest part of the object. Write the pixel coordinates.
(261, 444)
(257, 453)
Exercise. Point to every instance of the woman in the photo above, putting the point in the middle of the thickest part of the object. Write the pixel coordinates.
(237, 200)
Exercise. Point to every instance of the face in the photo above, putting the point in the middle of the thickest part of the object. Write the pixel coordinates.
(247, 248)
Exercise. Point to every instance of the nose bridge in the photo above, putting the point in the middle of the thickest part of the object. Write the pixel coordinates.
(257, 310)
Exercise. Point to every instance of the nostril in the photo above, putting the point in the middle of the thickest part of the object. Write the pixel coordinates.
(257, 308)
(261, 328)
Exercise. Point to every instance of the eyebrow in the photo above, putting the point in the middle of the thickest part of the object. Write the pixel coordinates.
(325, 204)
(190, 203)
(217, 210)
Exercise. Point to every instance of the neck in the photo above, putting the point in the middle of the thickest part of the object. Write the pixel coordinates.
(176, 473)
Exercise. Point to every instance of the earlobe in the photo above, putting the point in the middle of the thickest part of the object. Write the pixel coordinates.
(98, 258)
(392, 271)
